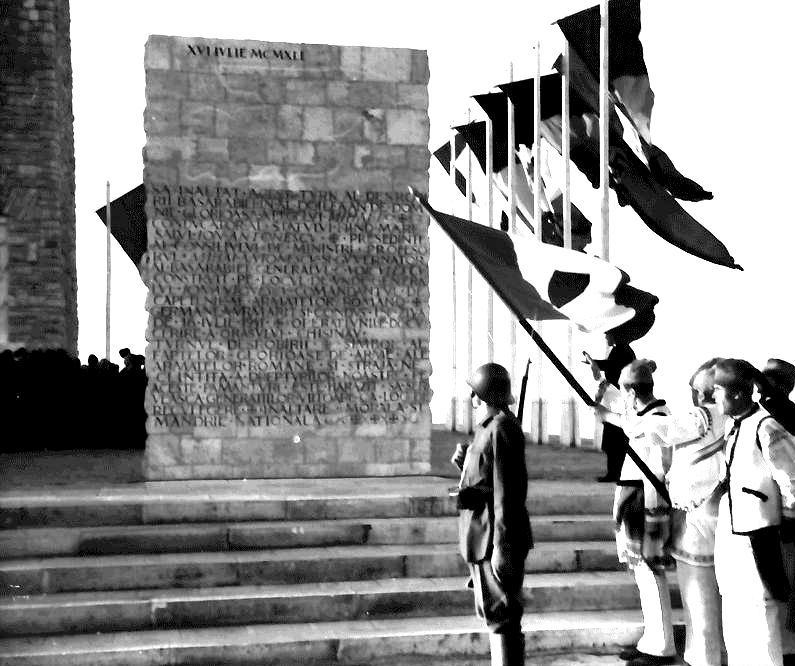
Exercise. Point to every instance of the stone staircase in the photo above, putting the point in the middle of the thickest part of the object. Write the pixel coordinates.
(317, 572)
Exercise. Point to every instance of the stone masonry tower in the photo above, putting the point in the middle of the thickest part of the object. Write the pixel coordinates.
(38, 281)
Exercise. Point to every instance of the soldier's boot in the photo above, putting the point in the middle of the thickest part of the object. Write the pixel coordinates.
(507, 649)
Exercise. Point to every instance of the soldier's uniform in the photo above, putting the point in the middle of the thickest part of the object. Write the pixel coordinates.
(759, 484)
(494, 527)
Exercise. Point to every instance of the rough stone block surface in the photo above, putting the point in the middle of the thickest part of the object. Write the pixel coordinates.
(287, 265)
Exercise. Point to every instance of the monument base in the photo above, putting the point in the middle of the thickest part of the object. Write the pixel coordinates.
(368, 450)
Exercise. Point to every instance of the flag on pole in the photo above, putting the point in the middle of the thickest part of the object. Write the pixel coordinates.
(474, 136)
(495, 105)
(628, 81)
(544, 282)
(128, 226)
(479, 183)
(442, 154)
(631, 179)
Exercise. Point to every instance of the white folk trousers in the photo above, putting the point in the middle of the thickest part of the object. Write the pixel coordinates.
(701, 603)
(655, 603)
(751, 629)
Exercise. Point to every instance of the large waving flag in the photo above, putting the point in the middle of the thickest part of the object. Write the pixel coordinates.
(631, 179)
(128, 222)
(544, 282)
(628, 79)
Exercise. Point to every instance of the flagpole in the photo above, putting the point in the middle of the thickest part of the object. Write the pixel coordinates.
(539, 418)
(454, 346)
(490, 213)
(468, 415)
(569, 430)
(511, 205)
(578, 389)
(604, 154)
(107, 269)
(604, 129)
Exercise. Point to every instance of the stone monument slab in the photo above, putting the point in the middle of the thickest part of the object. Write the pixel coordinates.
(287, 265)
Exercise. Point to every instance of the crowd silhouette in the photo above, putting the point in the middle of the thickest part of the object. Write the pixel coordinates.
(50, 401)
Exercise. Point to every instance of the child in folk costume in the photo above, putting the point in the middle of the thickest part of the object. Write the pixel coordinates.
(641, 512)
(693, 481)
(694, 484)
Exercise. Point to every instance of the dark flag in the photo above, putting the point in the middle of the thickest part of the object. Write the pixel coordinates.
(628, 80)
(543, 282)
(442, 154)
(633, 182)
(128, 222)
(479, 183)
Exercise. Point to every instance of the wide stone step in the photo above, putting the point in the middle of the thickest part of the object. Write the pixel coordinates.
(445, 640)
(271, 499)
(290, 565)
(89, 612)
(208, 537)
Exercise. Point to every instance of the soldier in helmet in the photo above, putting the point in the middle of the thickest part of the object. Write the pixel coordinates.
(494, 527)
(759, 493)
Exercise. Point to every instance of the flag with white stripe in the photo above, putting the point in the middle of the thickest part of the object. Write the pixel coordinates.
(542, 282)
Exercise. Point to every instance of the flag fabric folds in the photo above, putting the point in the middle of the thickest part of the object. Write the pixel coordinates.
(473, 136)
(544, 282)
(628, 80)
(128, 222)
(479, 182)
(632, 180)
(442, 154)
(551, 206)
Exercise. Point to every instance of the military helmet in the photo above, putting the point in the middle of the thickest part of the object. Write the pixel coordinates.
(492, 384)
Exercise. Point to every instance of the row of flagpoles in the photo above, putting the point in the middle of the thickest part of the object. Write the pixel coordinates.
(604, 128)
(460, 416)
